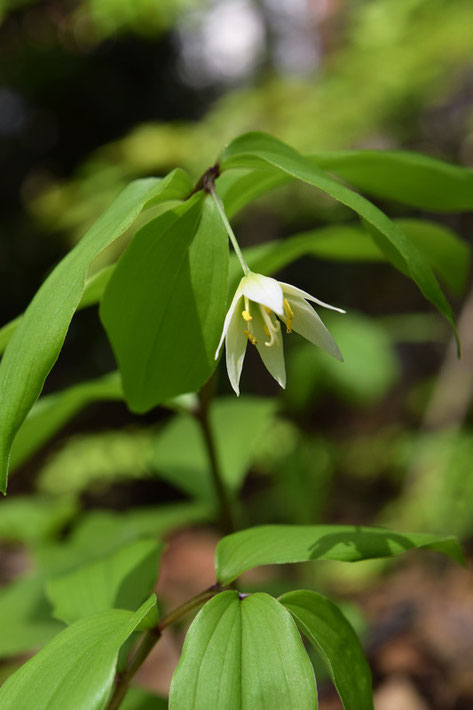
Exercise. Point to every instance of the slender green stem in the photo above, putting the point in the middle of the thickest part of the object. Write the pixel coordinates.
(202, 416)
(231, 234)
(151, 638)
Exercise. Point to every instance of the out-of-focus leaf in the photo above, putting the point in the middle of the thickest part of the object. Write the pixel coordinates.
(447, 254)
(369, 370)
(122, 579)
(51, 413)
(333, 637)
(101, 532)
(411, 178)
(139, 699)
(243, 654)
(75, 671)
(38, 339)
(280, 544)
(237, 188)
(25, 617)
(181, 457)
(256, 149)
(34, 518)
(165, 300)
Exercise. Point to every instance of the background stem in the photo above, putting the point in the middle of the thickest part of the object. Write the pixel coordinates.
(227, 522)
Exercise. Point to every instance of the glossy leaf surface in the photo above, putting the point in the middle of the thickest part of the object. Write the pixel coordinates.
(279, 544)
(335, 640)
(243, 654)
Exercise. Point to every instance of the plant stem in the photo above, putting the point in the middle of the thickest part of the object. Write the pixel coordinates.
(227, 522)
(231, 234)
(151, 638)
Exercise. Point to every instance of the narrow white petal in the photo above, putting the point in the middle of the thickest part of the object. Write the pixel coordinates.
(235, 349)
(264, 290)
(307, 323)
(289, 290)
(228, 317)
(272, 357)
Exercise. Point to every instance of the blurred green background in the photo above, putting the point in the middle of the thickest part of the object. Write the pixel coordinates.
(94, 93)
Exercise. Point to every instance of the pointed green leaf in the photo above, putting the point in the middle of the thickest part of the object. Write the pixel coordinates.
(279, 544)
(123, 579)
(165, 301)
(260, 149)
(333, 637)
(243, 653)
(75, 671)
(38, 339)
(447, 254)
(411, 178)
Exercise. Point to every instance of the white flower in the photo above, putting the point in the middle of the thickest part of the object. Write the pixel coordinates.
(252, 317)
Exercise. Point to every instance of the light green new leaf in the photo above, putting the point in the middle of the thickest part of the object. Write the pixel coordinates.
(25, 617)
(333, 637)
(257, 149)
(75, 671)
(123, 579)
(164, 306)
(279, 544)
(411, 178)
(181, 456)
(243, 654)
(37, 341)
(51, 413)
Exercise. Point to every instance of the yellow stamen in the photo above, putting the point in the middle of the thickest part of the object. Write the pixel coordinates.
(289, 315)
(271, 329)
(250, 337)
(246, 316)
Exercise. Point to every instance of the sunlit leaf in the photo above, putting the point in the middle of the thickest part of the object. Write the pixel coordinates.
(75, 671)
(37, 341)
(123, 579)
(279, 544)
(243, 653)
(333, 637)
(259, 149)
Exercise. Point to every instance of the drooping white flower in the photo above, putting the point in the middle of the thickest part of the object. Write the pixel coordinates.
(253, 317)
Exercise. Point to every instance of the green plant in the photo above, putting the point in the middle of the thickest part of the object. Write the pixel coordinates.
(163, 307)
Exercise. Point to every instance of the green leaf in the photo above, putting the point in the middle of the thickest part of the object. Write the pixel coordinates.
(25, 617)
(94, 288)
(411, 178)
(34, 518)
(139, 699)
(243, 653)
(75, 671)
(447, 254)
(122, 579)
(51, 413)
(38, 339)
(237, 188)
(181, 457)
(280, 544)
(101, 532)
(165, 300)
(256, 149)
(332, 636)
